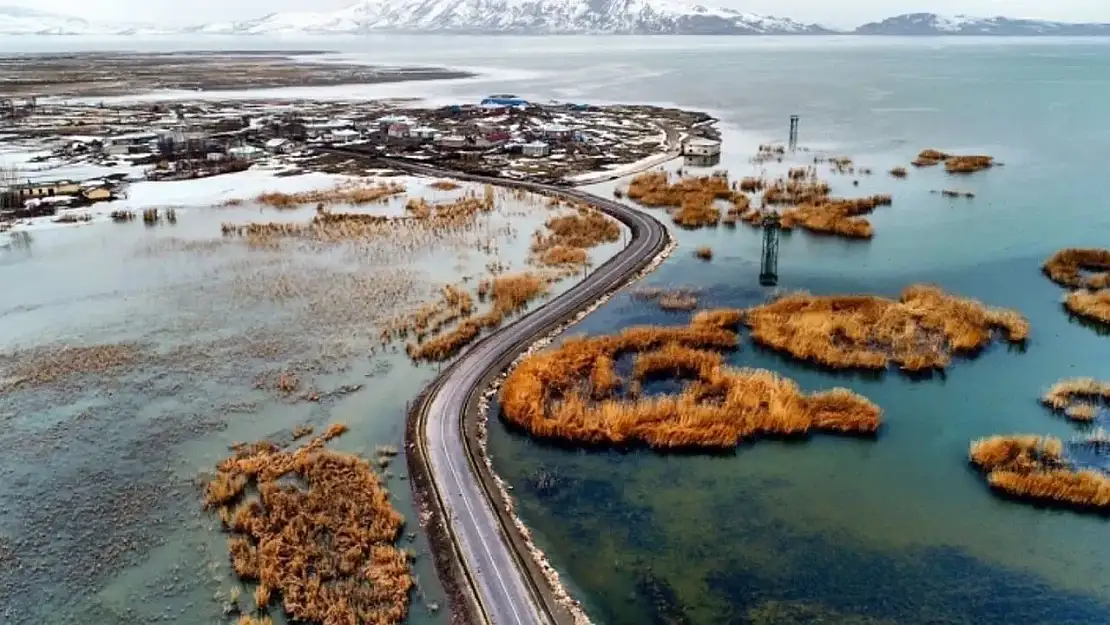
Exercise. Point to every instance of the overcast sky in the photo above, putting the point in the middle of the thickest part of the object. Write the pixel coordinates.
(830, 12)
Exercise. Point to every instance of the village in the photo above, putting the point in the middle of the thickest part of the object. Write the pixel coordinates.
(104, 148)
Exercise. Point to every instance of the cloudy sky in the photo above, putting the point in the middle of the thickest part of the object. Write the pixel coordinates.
(834, 13)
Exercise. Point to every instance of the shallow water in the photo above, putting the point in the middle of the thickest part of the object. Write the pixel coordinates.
(897, 529)
(103, 474)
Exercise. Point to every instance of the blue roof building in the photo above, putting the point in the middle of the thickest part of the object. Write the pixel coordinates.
(504, 100)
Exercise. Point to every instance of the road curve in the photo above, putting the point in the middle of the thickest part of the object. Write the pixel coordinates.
(499, 575)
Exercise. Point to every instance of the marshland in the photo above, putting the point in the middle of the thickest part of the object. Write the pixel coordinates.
(144, 350)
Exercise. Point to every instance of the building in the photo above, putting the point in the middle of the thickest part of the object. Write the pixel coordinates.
(278, 145)
(535, 149)
(698, 152)
(246, 153)
(451, 141)
(426, 133)
(343, 135)
(97, 194)
(132, 143)
(504, 100)
(399, 130)
(557, 132)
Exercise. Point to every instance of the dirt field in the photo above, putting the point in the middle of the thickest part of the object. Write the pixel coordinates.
(107, 74)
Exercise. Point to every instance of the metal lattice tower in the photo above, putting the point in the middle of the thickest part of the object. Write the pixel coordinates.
(793, 132)
(769, 266)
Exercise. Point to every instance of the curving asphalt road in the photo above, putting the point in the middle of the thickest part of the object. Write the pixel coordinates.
(507, 594)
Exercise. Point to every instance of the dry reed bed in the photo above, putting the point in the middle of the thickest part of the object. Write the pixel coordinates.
(1033, 468)
(568, 393)
(41, 366)
(704, 252)
(510, 294)
(953, 163)
(692, 202)
(1094, 305)
(1078, 398)
(343, 194)
(1079, 268)
(316, 527)
(919, 331)
(836, 216)
(673, 299)
(565, 240)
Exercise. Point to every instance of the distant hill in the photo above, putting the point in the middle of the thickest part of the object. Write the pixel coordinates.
(925, 24)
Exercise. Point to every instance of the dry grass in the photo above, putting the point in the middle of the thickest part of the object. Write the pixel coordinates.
(1078, 398)
(122, 216)
(953, 163)
(568, 237)
(796, 191)
(510, 295)
(1032, 467)
(316, 527)
(919, 331)
(957, 193)
(567, 393)
(675, 299)
(1079, 268)
(836, 216)
(343, 194)
(1094, 305)
(43, 366)
(899, 172)
(692, 201)
(704, 252)
(444, 185)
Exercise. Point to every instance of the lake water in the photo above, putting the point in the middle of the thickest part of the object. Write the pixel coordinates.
(831, 530)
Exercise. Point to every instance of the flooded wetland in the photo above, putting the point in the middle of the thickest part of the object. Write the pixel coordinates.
(907, 429)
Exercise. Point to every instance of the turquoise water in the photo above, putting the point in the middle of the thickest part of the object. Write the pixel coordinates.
(831, 530)
(897, 529)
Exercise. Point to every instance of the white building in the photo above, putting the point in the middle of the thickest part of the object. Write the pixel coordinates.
(557, 132)
(701, 147)
(279, 145)
(452, 141)
(535, 149)
(424, 132)
(246, 152)
(343, 135)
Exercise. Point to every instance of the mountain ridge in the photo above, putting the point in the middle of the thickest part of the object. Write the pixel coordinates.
(544, 17)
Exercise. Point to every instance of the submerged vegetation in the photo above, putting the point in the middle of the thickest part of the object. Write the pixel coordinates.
(919, 331)
(316, 528)
(953, 163)
(569, 393)
(1033, 467)
(342, 194)
(41, 366)
(1079, 399)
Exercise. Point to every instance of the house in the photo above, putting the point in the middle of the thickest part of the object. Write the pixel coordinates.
(97, 194)
(426, 133)
(504, 100)
(399, 130)
(385, 122)
(451, 141)
(343, 135)
(535, 149)
(132, 143)
(698, 152)
(557, 132)
(278, 145)
(30, 190)
(246, 153)
(498, 137)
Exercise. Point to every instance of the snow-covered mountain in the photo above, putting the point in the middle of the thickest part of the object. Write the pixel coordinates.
(521, 17)
(933, 24)
(22, 21)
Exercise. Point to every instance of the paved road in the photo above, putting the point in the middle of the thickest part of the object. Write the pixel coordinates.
(504, 590)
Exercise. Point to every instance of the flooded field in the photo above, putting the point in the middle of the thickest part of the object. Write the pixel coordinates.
(136, 354)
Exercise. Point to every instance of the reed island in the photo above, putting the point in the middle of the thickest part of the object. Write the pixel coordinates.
(1086, 271)
(571, 393)
(315, 530)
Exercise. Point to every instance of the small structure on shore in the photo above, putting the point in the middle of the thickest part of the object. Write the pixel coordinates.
(535, 149)
(700, 152)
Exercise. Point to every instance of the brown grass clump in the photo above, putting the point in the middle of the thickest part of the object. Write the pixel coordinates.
(968, 164)
(568, 237)
(1078, 398)
(42, 366)
(796, 191)
(510, 295)
(836, 216)
(1079, 268)
(1032, 467)
(1093, 305)
(556, 394)
(444, 185)
(704, 252)
(343, 194)
(752, 184)
(920, 331)
(929, 157)
(899, 172)
(318, 529)
(692, 200)
(254, 620)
